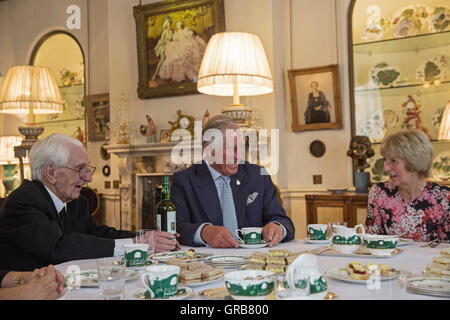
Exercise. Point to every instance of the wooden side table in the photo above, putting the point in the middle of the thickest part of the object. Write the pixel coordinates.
(349, 202)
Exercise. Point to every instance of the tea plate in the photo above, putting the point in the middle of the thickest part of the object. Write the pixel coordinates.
(164, 256)
(150, 262)
(360, 253)
(254, 246)
(326, 241)
(89, 278)
(230, 261)
(182, 293)
(203, 283)
(434, 286)
(343, 275)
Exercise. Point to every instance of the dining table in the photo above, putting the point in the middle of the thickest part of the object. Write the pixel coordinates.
(414, 258)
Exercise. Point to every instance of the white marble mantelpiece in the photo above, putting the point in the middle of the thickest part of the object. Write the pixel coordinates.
(126, 153)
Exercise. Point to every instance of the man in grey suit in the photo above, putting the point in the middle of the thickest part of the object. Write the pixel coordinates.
(45, 221)
(222, 193)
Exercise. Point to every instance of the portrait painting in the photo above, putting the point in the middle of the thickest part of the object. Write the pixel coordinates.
(98, 118)
(315, 98)
(172, 37)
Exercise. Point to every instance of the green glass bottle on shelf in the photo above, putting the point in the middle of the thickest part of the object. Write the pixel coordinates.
(166, 217)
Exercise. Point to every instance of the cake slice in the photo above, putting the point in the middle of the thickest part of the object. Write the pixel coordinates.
(357, 271)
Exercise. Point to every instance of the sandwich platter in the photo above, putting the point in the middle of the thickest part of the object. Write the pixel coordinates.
(89, 278)
(343, 274)
(182, 293)
(434, 286)
(360, 253)
(226, 261)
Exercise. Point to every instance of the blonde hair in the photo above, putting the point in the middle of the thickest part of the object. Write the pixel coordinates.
(411, 146)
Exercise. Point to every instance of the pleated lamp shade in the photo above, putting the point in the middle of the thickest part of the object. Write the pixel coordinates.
(444, 128)
(234, 60)
(28, 88)
(7, 144)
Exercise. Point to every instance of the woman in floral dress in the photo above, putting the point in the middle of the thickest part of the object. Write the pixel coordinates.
(408, 204)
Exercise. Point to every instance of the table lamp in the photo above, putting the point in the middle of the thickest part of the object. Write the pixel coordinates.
(9, 161)
(235, 64)
(29, 90)
(444, 128)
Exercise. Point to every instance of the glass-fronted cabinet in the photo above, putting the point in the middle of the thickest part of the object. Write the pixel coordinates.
(400, 73)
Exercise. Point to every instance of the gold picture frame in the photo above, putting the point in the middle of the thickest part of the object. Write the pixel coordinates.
(315, 98)
(97, 114)
(171, 38)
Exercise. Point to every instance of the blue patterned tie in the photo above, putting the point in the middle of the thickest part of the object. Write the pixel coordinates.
(228, 210)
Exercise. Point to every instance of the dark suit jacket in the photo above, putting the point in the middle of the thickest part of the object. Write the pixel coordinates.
(32, 235)
(195, 197)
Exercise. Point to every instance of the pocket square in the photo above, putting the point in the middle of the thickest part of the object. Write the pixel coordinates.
(252, 197)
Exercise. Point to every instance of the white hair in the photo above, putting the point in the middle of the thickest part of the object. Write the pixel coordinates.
(53, 149)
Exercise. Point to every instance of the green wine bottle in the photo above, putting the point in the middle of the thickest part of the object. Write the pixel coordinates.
(166, 218)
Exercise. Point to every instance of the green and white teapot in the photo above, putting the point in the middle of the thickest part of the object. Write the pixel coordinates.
(347, 240)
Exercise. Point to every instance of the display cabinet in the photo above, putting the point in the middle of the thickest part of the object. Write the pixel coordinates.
(400, 73)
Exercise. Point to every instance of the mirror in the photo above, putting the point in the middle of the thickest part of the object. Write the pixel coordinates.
(399, 53)
(61, 52)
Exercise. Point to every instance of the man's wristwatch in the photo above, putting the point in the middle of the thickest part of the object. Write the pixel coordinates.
(18, 279)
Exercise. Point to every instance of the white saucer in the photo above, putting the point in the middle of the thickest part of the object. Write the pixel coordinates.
(327, 241)
(253, 246)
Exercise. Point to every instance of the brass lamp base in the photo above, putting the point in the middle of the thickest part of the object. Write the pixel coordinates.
(31, 133)
(241, 114)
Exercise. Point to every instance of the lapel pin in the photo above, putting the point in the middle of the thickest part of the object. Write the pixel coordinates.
(238, 182)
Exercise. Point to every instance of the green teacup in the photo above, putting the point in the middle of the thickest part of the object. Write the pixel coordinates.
(317, 231)
(161, 281)
(136, 254)
(249, 235)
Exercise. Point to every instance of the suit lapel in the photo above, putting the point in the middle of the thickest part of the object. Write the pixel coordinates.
(54, 213)
(206, 192)
(239, 186)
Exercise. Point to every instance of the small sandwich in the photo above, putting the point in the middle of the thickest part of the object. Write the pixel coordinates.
(276, 268)
(357, 271)
(177, 262)
(211, 273)
(187, 276)
(256, 266)
(257, 258)
(442, 260)
(445, 252)
(195, 265)
(279, 253)
(276, 260)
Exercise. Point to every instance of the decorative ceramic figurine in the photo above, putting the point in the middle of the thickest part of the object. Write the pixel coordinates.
(79, 134)
(149, 131)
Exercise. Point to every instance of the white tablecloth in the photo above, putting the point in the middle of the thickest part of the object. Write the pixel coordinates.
(413, 259)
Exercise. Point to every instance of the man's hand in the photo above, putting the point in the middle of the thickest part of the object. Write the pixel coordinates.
(165, 241)
(272, 233)
(218, 237)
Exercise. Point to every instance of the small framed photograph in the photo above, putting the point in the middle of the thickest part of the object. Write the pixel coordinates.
(315, 98)
(97, 114)
(164, 135)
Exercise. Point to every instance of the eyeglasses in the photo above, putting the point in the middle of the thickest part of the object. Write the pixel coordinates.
(83, 171)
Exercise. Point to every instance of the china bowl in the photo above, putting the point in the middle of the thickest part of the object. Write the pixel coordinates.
(380, 244)
(249, 284)
(346, 244)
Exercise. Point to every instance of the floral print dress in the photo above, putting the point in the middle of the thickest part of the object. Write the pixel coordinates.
(422, 219)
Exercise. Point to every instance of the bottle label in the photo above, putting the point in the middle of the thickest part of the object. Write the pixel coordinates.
(158, 222)
(171, 221)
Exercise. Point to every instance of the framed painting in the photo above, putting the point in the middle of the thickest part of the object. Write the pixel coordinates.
(97, 113)
(172, 36)
(315, 98)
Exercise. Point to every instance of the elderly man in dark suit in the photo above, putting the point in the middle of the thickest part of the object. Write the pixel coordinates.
(222, 193)
(45, 221)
